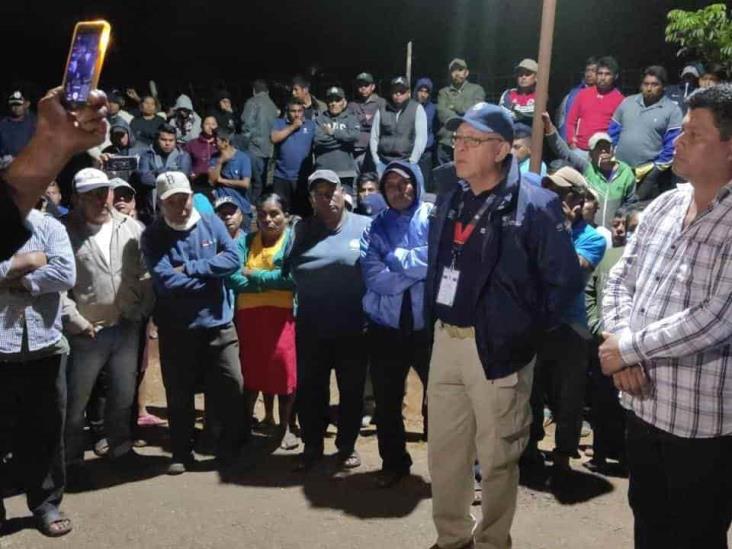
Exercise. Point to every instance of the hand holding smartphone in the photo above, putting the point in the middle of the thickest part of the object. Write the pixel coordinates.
(84, 62)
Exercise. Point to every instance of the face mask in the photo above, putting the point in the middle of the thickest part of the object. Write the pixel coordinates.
(188, 224)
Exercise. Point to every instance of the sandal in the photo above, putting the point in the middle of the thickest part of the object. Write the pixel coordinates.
(53, 524)
(150, 420)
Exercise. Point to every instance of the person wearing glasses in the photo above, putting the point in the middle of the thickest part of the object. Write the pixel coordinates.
(324, 259)
(399, 130)
(501, 270)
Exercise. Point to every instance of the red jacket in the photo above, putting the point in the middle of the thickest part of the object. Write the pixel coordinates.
(591, 113)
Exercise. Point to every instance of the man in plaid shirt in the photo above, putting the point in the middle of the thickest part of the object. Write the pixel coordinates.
(668, 314)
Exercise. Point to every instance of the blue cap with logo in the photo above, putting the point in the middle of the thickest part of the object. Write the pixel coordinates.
(486, 117)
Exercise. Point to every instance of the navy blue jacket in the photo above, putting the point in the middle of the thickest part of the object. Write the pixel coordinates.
(531, 270)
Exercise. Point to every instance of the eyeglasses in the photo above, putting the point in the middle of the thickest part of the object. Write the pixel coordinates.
(471, 142)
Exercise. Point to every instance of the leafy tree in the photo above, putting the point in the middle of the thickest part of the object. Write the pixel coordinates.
(706, 33)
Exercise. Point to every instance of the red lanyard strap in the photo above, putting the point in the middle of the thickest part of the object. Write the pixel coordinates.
(462, 233)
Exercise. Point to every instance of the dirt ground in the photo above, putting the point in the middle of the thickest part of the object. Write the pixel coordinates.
(273, 507)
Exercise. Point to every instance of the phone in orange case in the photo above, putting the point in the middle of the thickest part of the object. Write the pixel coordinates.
(84, 63)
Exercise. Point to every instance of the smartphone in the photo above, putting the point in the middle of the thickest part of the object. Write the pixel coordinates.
(121, 163)
(84, 63)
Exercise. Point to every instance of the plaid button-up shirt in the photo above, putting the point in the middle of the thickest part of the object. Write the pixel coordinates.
(670, 301)
(37, 310)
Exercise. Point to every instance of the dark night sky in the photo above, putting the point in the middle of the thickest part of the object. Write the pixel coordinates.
(180, 41)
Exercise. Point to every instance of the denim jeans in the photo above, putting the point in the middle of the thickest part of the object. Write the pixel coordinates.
(114, 349)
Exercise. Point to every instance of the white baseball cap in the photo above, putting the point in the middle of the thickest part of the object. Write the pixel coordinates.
(90, 179)
(597, 138)
(170, 183)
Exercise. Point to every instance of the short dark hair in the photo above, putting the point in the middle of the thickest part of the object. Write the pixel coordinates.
(609, 62)
(165, 128)
(301, 81)
(260, 85)
(366, 176)
(272, 197)
(718, 99)
(592, 60)
(294, 101)
(224, 134)
(717, 70)
(658, 71)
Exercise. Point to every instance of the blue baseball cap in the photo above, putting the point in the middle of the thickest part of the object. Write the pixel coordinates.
(485, 117)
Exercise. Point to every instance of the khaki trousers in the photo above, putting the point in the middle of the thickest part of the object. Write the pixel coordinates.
(471, 416)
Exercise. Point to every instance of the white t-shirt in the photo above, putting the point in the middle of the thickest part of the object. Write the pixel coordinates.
(102, 235)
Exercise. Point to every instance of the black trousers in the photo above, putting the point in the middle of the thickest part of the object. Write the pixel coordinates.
(317, 356)
(560, 378)
(680, 489)
(426, 163)
(185, 356)
(32, 414)
(393, 353)
(607, 416)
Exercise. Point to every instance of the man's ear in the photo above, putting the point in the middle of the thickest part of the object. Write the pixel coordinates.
(503, 150)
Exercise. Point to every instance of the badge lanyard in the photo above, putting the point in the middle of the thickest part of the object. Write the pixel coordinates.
(461, 233)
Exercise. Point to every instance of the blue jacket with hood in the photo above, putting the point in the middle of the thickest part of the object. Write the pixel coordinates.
(430, 109)
(394, 257)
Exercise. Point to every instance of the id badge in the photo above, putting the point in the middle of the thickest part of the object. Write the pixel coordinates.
(448, 286)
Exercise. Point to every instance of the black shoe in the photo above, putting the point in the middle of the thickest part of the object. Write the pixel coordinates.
(78, 479)
(306, 461)
(388, 479)
(179, 466)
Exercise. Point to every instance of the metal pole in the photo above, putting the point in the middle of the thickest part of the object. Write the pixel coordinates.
(409, 63)
(542, 84)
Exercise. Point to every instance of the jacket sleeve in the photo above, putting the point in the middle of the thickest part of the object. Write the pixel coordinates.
(350, 133)
(249, 119)
(420, 135)
(185, 164)
(135, 296)
(374, 138)
(73, 322)
(166, 280)
(147, 170)
(224, 263)
(558, 267)
(505, 102)
(59, 273)
(377, 275)
(573, 119)
(561, 149)
(272, 280)
(673, 130)
(322, 139)
(237, 281)
(615, 128)
(444, 112)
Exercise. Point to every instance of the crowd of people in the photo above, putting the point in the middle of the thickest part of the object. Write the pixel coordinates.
(371, 237)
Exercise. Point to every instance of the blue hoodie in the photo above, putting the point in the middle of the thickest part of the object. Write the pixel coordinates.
(430, 109)
(394, 257)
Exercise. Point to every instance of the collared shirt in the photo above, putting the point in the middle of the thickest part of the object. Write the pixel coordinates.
(669, 299)
(645, 133)
(37, 311)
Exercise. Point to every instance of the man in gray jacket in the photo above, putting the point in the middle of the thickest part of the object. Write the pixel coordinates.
(336, 133)
(259, 115)
(452, 101)
(102, 315)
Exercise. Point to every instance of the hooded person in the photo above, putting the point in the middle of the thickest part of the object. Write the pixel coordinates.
(223, 111)
(394, 268)
(122, 143)
(423, 95)
(186, 122)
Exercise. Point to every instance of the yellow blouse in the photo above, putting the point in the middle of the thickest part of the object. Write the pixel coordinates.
(261, 258)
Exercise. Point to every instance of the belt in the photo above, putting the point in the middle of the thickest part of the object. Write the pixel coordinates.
(458, 332)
